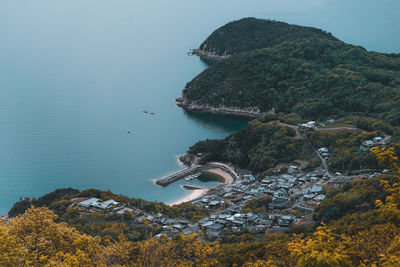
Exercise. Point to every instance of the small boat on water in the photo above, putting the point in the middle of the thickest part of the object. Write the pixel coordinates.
(128, 130)
(145, 111)
(152, 113)
(192, 176)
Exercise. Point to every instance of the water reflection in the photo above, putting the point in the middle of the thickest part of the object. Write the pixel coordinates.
(224, 124)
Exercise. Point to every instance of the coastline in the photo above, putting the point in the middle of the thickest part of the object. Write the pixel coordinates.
(224, 175)
(244, 112)
(199, 193)
(195, 194)
(208, 55)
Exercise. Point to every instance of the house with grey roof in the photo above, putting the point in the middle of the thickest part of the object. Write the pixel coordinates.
(96, 203)
(88, 203)
(316, 189)
(214, 229)
(280, 193)
(278, 203)
(319, 198)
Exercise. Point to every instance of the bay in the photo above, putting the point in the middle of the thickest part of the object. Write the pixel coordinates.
(75, 75)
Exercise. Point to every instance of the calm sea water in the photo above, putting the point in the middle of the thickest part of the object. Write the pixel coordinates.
(74, 75)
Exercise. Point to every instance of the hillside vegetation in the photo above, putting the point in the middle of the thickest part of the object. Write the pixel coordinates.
(60, 202)
(258, 147)
(250, 33)
(294, 74)
(314, 78)
(362, 229)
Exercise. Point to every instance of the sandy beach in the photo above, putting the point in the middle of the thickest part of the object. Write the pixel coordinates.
(195, 194)
(226, 176)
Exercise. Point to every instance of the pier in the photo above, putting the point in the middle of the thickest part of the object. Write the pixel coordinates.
(194, 187)
(180, 175)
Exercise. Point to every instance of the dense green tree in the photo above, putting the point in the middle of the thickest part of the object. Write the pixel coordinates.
(315, 78)
(258, 147)
(250, 33)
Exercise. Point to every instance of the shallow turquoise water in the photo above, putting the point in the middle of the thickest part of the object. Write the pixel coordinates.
(74, 75)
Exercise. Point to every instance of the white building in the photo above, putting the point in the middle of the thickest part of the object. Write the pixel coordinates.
(95, 203)
(368, 143)
(308, 126)
(323, 150)
(88, 203)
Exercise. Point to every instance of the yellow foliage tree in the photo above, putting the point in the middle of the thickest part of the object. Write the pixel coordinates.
(390, 209)
(122, 253)
(11, 252)
(323, 248)
(35, 239)
(40, 241)
(387, 157)
(181, 251)
(259, 263)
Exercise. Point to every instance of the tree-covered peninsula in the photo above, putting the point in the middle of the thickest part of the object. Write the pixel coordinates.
(315, 77)
(296, 74)
(249, 34)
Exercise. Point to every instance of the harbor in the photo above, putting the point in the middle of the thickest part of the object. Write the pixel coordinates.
(226, 172)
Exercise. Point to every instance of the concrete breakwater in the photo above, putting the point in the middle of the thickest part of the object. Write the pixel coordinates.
(167, 180)
(194, 187)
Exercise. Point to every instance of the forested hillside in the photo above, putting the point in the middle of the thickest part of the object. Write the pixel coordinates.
(314, 78)
(356, 225)
(258, 147)
(250, 33)
(63, 203)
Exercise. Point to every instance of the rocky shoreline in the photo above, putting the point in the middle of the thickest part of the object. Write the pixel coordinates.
(207, 54)
(189, 160)
(252, 112)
